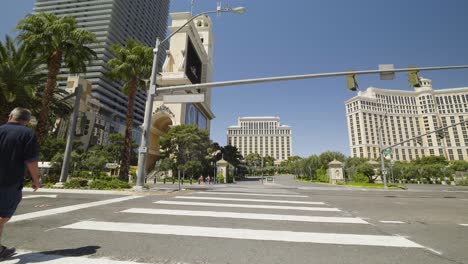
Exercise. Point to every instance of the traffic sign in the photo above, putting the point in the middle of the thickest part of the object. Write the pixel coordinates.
(143, 150)
(387, 151)
(390, 75)
(183, 98)
(384, 172)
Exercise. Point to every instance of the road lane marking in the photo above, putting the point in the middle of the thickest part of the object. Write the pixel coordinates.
(31, 257)
(251, 206)
(246, 200)
(276, 217)
(235, 233)
(66, 209)
(434, 251)
(40, 196)
(464, 224)
(391, 222)
(256, 194)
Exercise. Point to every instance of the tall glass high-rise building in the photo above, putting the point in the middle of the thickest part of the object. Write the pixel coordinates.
(113, 21)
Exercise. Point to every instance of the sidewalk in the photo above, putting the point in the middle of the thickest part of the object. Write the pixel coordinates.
(288, 181)
(159, 187)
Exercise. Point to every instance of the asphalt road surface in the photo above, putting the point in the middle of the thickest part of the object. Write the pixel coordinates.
(247, 222)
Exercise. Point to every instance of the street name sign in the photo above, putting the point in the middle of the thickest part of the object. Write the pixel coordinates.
(183, 98)
(390, 75)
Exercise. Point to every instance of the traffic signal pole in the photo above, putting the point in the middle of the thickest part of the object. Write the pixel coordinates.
(299, 77)
(423, 135)
(71, 135)
(158, 90)
(382, 149)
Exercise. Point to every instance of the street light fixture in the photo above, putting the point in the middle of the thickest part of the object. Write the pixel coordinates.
(239, 10)
(143, 149)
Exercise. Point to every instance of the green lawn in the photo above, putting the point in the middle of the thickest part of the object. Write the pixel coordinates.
(373, 185)
(357, 184)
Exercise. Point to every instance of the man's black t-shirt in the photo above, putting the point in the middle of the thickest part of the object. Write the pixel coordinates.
(18, 146)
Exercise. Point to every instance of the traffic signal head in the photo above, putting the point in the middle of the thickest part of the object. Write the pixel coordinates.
(419, 141)
(440, 134)
(413, 78)
(351, 82)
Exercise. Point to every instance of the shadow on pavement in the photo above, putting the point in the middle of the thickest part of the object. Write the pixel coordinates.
(38, 257)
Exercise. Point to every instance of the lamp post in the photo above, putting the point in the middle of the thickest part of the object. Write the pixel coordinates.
(261, 168)
(443, 169)
(420, 170)
(392, 164)
(143, 149)
(382, 164)
(380, 137)
(214, 172)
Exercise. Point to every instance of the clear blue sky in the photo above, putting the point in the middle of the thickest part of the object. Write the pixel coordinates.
(298, 37)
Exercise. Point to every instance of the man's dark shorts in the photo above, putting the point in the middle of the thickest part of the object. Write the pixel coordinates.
(10, 197)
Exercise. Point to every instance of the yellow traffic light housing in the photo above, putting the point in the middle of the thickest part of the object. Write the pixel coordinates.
(413, 77)
(440, 134)
(351, 82)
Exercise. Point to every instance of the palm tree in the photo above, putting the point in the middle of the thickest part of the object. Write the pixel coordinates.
(132, 64)
(20, 77)
(56, 40)
(22, 81)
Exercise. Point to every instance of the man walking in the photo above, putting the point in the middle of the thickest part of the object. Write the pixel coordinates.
(18, 150)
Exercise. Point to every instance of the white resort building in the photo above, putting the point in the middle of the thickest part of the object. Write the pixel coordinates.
(262, 135)
(402, 115)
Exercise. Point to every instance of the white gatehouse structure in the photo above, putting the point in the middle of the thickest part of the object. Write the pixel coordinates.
(189, 60)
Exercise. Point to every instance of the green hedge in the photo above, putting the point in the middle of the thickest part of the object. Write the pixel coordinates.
(76, 183)
(109, 185)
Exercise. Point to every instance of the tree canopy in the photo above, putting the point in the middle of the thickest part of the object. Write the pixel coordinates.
(56, 41)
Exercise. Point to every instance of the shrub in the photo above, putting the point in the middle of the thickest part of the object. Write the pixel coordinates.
(107, 178)
(323, 178)
(463, 182)
(322, 175)
(109, 185)
(76, 183)
(360, 177)
(48, 185)
(220, 177)
(82, 174)
(49, 178)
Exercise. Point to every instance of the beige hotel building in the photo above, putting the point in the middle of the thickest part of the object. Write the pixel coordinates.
(406, 114)
(262, 135)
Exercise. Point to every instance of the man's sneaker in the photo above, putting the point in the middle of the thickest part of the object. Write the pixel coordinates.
(6, 252)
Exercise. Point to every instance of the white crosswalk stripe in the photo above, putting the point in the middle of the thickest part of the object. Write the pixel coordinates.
(258, 206)
(40, 196)
(247, 200)
(249, 234)
(391, 222)
(69, 208)
(30, 257)
(179, 209)
(275, 217)
(255, 194)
